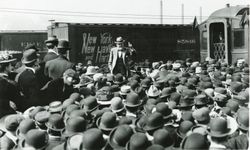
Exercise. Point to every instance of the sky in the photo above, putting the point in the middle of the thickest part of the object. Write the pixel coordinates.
(35, 14)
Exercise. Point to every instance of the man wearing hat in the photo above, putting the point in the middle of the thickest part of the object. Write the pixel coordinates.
(61, 88)
(119, 57)
(51, 44)
(28, 81)
(56, 67)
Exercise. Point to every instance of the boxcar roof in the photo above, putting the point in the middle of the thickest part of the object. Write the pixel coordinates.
(229, 12)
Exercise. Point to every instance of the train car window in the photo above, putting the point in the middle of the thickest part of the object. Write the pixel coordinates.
(204, 40)
(239, 38)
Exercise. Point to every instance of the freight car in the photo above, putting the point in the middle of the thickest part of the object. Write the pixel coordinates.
(16, 41)
(153, 42)
(225, 34)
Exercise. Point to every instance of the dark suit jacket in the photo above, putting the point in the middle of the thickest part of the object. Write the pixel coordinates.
(56, 67)
(29, 86)
(49, 56)
(55, 90)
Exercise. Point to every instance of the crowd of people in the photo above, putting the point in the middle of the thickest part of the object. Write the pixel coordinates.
(55, 104)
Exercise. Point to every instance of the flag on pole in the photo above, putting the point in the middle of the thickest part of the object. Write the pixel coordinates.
(195, 23)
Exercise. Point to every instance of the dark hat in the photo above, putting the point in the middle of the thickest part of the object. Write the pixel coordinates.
(55, 107)
(104, 95)
(93, 139)
(146, 83)
(187, 116)
(202, 115)
(195, 141)
(155, 147)
(36, 138)
(164, 110)
(119, 79)
(74, 125)
(117, 105)
(42, 117)
(25, 126)
(154, 121)
(185, 102)
(175, 97)
(233, 105)
(37, 109)
(184, 127)
(218, 128)
(240, 99)
(119, 136)
(220, 98)
(31, 46)
(12, 122)
(132, 100)
(29, 56)
(71, 108)
(107, 122)
(55, 122)
(140, 123)
(226, 111)
(199, 129)
(138, 141)
(236, 87)
(125, 120)
(51, 39)
(190, 94)
(67, 102)
(75, 96)
(243, 119)
(200, 100)
(78, 113)
(119, 40)
(6, 58)
(193, 81)
(166, 92)
(63, 44)
(163, 138)
(89, 103)
(220, 90)
(85, 91)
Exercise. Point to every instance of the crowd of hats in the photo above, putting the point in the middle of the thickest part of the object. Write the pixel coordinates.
(168, 109)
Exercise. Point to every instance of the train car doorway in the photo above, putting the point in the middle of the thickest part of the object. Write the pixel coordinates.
(218, 41)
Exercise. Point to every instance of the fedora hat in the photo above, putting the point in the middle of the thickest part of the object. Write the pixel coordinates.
(218, 127)
(153, 91)
(55, 123)
(146, 83)
(243, 119)
(119, 79)
(164, 110)
(119, 40)
(29, 56)
(119, 136)
(189, 93)
(125, 89)
(138, 141)
(11, 122)
(52, 39)
(6, 58)
(36, 139)
(107, 121)
(74, 125)
(132, 100)
(236, 87)
(116, 105)
(154, 121)
(93, 140)
(25, 126)
(195, 141)
(91, 70)
(184, 128)
(200, 100)
(163, 138)
(89, 104)
(233, 105)
(166, 92)
(185, 102)
(140, 123)
(63, 44)
(202, 115)
(104, 95)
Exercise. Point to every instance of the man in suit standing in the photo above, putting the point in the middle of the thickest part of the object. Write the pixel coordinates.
(52, 53)
(56, 67)
(119, 57)
(28, 81)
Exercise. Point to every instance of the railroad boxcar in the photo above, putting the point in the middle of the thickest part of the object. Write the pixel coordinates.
(151, 41)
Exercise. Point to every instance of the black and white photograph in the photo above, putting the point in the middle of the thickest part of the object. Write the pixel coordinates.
(124, 74)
